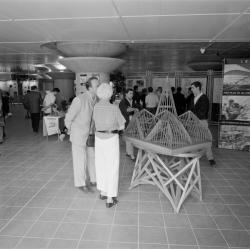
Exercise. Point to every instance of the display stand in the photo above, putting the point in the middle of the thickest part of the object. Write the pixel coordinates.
(52, 125)
(169, 149)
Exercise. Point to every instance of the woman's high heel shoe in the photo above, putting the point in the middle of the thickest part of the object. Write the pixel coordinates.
(103, 197)
(111, 204)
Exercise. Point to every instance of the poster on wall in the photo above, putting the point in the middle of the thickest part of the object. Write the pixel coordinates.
(217, 91)
(83, 79)
(235, 108)
(161, 82)
(236, 137)
(141, 83)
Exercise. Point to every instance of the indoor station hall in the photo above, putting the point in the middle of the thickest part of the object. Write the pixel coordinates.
(40, 207)
(124, 124)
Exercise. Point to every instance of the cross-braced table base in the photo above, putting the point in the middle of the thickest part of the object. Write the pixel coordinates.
(176, 176)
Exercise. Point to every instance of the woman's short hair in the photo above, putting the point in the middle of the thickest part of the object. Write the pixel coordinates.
(104, 91)
(88, 84)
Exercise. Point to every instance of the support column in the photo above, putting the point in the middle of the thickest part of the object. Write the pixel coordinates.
(87, 59)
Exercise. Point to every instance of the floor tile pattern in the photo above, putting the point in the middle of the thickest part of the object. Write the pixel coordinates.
(40, 208)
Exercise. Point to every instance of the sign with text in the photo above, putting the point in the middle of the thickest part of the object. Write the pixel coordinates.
(51, 124)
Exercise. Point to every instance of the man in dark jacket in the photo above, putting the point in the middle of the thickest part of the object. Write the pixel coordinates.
(33, 103)
(127, 109)
(180, 102)
(200, 108)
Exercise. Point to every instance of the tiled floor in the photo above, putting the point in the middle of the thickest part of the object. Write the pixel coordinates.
(40, 208)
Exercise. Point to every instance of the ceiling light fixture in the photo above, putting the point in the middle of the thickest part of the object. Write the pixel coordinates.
(59, 66)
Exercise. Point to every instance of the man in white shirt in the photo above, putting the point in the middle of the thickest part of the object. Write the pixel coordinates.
(49, 101)
(200, 108)
(151, 101)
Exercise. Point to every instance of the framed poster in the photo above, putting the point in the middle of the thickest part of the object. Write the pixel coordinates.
(234, 132)
(234, 137)
(83, 79)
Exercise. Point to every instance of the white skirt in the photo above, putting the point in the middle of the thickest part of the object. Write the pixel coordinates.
(107, 160)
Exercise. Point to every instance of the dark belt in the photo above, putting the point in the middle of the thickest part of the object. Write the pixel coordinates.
(114, 131)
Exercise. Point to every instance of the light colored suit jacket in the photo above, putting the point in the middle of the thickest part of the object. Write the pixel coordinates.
(78, 118)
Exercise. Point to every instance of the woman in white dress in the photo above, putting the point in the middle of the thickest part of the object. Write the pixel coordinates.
(108, 121)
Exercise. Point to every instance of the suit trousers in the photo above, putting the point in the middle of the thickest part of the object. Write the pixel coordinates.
(35, 119)
(83, 164)
(209, 153)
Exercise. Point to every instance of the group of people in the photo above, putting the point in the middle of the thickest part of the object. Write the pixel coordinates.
(35, 104)
(99, 166)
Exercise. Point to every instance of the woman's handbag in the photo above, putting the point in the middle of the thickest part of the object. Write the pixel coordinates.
(91, 140)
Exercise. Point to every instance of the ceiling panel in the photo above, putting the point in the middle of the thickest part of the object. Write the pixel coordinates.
(240, 30)
(91, 29)
(37, 9)
(5, 49)
(180, 28)
(22, 47)
(170, 7)
(12, 32)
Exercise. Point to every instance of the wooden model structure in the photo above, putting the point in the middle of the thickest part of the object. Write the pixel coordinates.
(169, 152)
(197, 132)
(166, 102)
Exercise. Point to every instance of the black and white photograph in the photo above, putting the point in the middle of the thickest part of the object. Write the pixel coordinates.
(237, 78)
(235, 137)
(236, 107)
(124, 124)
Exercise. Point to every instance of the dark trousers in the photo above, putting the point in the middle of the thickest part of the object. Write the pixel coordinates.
(35, 119)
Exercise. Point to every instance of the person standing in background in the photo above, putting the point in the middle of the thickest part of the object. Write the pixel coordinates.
(200, 107)
(151, 101)
(78, 122)
(24, 105)
(180, 102)
(189, 99)
(2, 121)
(128, 109)
(49, 101)
(136, 98)
(11, 95)
(33, 103)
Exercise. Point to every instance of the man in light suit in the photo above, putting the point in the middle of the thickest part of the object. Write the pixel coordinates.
(200, 107)
(78, 121)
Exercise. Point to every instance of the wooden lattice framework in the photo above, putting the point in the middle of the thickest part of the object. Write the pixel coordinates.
(175, 176)
(166, 102)
(168, 153)
(196, 130)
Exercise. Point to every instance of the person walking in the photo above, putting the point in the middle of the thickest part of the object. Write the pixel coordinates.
(2, 121)
(200, 107)
(108, 121)
(33, 102)
(78, 122)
